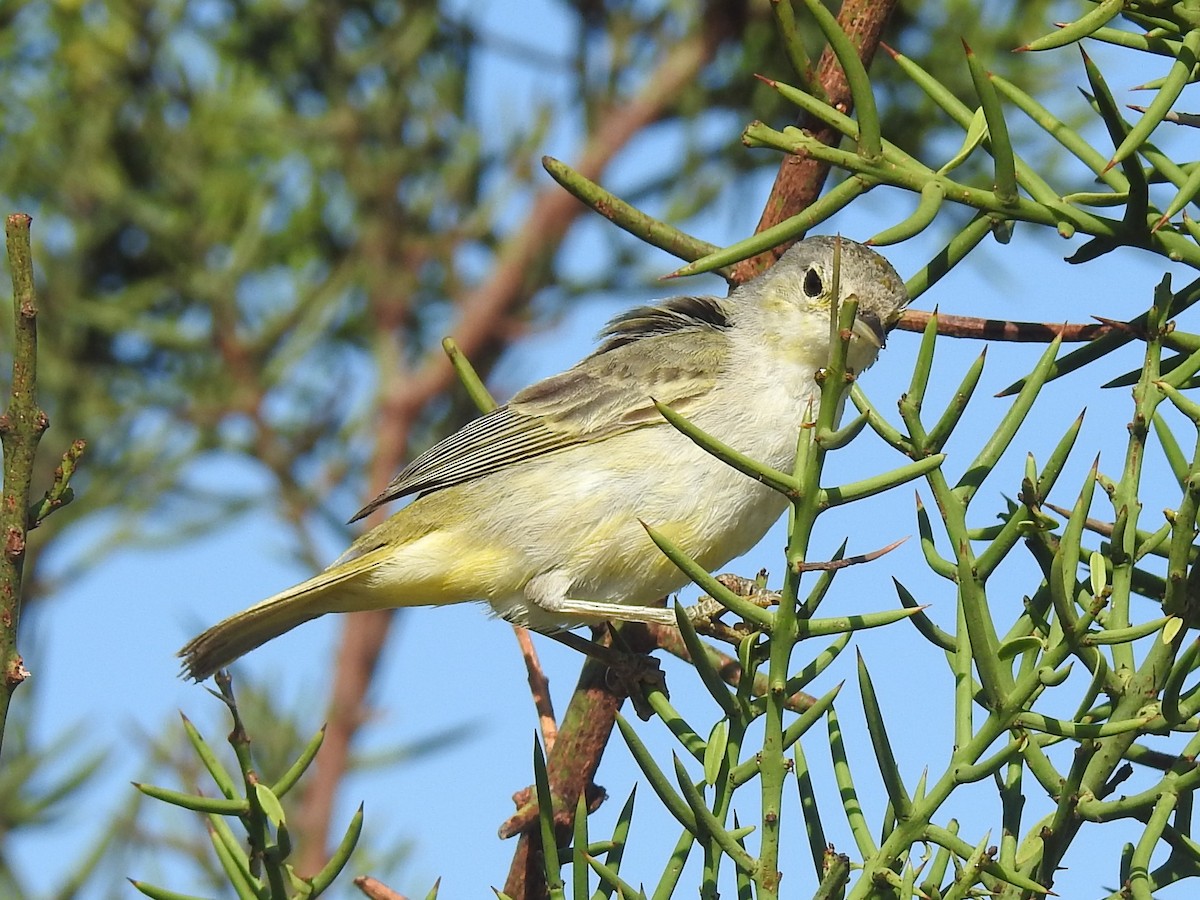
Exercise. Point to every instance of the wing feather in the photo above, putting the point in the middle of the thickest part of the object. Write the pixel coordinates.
(606, 394)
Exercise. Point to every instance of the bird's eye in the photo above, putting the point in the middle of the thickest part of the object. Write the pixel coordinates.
(812, 283)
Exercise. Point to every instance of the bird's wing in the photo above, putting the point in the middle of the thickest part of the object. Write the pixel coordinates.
(672, 353)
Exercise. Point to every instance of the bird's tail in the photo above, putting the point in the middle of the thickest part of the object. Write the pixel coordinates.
(220, 645)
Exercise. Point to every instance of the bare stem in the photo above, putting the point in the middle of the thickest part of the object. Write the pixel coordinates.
(21, 427)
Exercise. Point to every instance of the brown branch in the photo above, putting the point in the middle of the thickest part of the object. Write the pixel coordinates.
(1006, 330)
(517, 274)
(571, 766)
(377, 890)
(797, 185)
(800, 179)
(657, 637)
(539, 688)
(834, 564)
(21, 427)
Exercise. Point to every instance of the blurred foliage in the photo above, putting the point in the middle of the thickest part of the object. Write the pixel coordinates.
(250, 216)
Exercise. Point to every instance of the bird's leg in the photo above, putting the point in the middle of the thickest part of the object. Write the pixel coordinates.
(635, 673)
(549, 593)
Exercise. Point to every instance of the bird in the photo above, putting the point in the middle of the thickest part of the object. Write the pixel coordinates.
(538, 507)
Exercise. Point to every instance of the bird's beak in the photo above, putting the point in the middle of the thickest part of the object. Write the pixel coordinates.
(869, 328)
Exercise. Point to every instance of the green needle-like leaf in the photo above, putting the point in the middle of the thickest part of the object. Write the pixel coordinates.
(551, 866)
(711, 826)
(218, 805)
(710, 677)
(878, 423)
(990, 766)
(626, 216)
(1189, 408)
(289, 778)
(924, 625)
(620, 837)
(951, 255)
(469, 378)
(1000, 439)
(857, 622)
(1181, 372)
(798, 728)
(676, 724)
(912, 399)
(1080, 731)
(941, 431)
(1186, 195)
(1058, 458)
(611, 881)
(870, 141)
(739, 606)
(814, 830)
(219, 774)
(885, 758)
(772, 478)
(1118, 130)
(579, 850)
(1082, 27)
(939, 564)
(819, 664)
(836, 440)
(849, 794)
(230, 849)
(793, 46)
(157, 893)
(976, 133)
(236, 866)
(1184, 666)
(1180, 467)
(1172, 86)
(341, 854)
(877, 484)
(998, 138)
(655, 777)
(1144, 42)
(787, 230)
(932, 196)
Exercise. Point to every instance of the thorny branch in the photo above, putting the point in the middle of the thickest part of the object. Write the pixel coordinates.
(798, 185)
(1004, 329)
